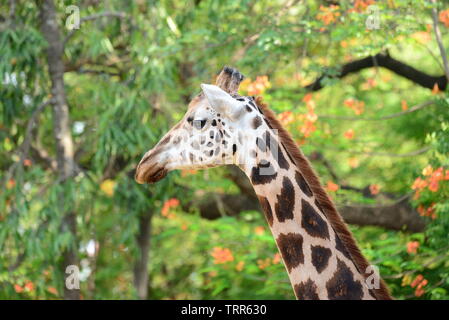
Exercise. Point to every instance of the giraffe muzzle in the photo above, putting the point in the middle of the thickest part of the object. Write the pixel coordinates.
(148, 171)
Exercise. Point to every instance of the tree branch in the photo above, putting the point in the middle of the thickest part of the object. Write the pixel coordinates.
(386, 61)
(387, 117)
(119, 15)
(396, 215)
(378, 154)
(24, 148)
(394, 155)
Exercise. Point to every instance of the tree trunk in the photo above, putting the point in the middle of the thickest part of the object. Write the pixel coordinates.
(141, 265)
(61, 125)
(398, 216)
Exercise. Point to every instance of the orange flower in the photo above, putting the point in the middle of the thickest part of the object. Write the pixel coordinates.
(422, 36)
(433, 186)
(427, 171)
(27, 163)
(404, 105)
(353, 162)
(52, 290)
(263, 263)
(277, 258)
(258, 86)
(419, 283)
(349, 134)
(308, 120)
(213, 273)
(435, 89)
(259, 230)
(361, 5)
(421, 210)
(349, 103)
(307, 128)
(444, 17)
(286, 118)
(222, 255)
(173, 202)
(419, 184)
(311, 117)
(239, 267)
(374, 189)
(308, 97)
(187, 172)
(244, 84)
(417, 280)
(386, 77)
(170, 203)
(369, 84)
(434, 176)
(437, 174)
(328, 14)
(427, 212)
(18, 288)
(29, 286)
(107, 186)
(419, 292)
(412, 247)
(10, 184)
(332, 186)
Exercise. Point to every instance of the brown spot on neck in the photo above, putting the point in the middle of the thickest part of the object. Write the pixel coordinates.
(342, 285)
(291, 248)
(285, 201)
(306, 290)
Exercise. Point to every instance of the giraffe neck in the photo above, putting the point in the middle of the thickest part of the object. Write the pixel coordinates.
(318, 263)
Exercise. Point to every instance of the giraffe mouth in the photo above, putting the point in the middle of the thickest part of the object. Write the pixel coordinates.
(149, 172)
(150, 176)
(156, 176)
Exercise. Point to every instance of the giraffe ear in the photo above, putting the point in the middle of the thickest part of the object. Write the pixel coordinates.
(220, 100)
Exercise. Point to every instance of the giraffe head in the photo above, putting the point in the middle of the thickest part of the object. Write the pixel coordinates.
(219, 128)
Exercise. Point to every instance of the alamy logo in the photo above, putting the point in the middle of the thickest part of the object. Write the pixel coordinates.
(373, 20)
(72, 282)
(373, 280)
(73, 20)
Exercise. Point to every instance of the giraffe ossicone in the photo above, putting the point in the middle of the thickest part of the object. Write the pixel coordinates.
(221, 128)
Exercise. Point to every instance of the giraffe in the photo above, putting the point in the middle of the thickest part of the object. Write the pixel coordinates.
(222, 128)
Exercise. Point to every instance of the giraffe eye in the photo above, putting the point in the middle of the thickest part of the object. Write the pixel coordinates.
(199, 124)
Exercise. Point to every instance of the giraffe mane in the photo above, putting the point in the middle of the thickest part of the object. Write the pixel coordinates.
(322, 197)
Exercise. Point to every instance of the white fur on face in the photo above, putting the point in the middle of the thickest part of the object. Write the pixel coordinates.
(218, 130)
